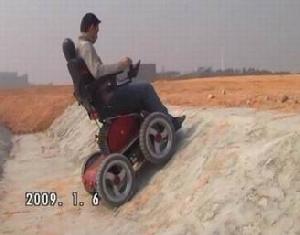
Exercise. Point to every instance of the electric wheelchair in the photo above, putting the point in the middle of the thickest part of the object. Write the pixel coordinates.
(125, 141)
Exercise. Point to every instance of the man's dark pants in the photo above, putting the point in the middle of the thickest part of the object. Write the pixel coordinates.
(133, 98)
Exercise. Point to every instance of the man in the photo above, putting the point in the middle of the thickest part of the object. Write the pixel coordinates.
(124, 99)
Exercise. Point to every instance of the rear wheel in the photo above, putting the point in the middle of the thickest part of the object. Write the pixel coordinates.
(157, 138)
(115, 180)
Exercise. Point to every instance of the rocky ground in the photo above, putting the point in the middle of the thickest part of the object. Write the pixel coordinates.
(235, 171)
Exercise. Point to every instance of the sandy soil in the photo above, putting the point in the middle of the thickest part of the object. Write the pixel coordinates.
(261, 92)
(34, 109)
(235, 171)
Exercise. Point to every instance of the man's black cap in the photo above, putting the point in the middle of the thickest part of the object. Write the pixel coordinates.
(88, 20)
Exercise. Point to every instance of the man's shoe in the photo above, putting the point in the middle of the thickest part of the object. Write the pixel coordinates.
(177, 122)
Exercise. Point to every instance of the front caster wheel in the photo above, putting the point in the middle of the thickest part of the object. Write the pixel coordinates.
(115, 180)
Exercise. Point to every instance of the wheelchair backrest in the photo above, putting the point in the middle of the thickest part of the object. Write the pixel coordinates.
(69, 49)
(81, 76)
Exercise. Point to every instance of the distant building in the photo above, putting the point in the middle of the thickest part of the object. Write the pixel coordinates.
(147, 73)
(12, 80)
(168, 74)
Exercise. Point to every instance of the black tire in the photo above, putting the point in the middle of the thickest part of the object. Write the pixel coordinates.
(102, 138)
(109, 173)
(150, 146)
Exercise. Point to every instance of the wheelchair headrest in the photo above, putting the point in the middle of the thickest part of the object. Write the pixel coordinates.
(69, 49)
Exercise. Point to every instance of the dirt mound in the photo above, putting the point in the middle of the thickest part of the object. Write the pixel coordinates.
(235, 171)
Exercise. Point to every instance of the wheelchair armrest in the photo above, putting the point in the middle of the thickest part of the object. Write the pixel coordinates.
(124, 82)
(109, 119)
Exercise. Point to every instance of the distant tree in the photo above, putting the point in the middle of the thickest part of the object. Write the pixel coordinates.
(209, 71)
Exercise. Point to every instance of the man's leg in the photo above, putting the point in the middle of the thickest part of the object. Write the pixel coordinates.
(136, 97)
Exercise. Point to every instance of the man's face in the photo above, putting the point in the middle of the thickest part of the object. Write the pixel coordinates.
(93, 32)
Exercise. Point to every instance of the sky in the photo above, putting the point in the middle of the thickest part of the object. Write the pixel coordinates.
(174, 34)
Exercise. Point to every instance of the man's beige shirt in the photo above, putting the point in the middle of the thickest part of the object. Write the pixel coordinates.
(86, 50)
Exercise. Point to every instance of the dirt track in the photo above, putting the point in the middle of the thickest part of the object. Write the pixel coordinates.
(34, 109)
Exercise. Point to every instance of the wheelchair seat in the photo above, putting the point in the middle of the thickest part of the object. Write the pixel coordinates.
(90, 92)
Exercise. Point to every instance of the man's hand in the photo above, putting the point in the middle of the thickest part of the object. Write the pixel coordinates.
(125, 62)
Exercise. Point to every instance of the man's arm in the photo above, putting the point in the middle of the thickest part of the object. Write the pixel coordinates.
(94, 64)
